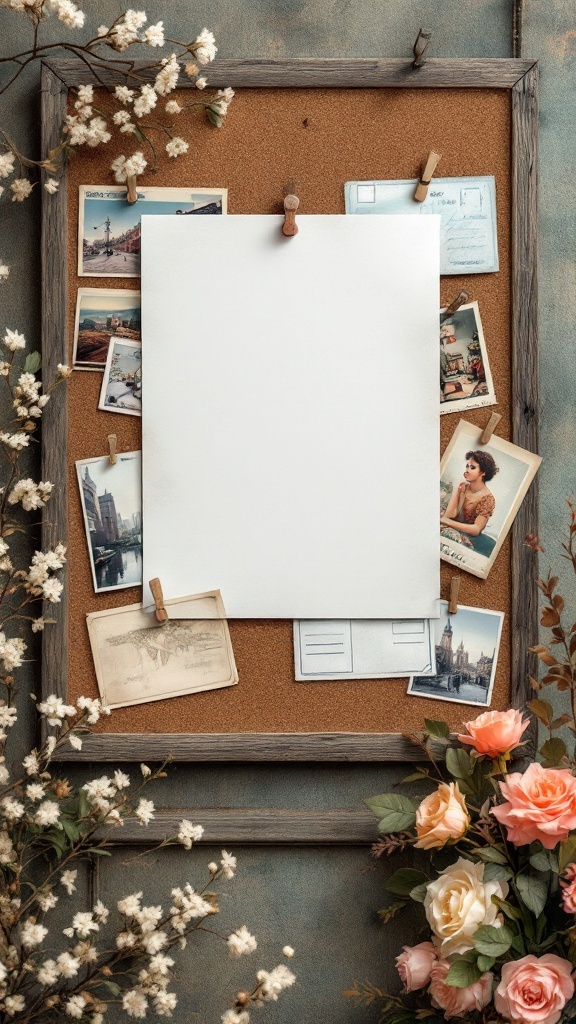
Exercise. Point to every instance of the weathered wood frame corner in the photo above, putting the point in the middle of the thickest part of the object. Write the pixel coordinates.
(520, 78)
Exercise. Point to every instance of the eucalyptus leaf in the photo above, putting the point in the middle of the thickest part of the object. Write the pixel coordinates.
(540, 861)
(32, 362)
(435, 728)
(396, 812)
(533, 893)
(458, 763)
(463, 973)
(497, 873)
(403, 881)
(493, 941)
(492, 855)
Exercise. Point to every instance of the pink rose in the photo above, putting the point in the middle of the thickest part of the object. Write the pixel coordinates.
(568, 884)
(495, 732)
(441, 816)
(534, 990)
(457, 1001)
(541, 804)
(415, 965)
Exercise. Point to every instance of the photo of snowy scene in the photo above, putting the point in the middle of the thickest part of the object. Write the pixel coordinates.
(466, 656)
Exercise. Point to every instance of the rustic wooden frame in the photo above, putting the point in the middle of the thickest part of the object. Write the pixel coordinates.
(520, 78)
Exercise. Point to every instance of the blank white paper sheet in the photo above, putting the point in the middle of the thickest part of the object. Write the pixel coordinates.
(290, 414)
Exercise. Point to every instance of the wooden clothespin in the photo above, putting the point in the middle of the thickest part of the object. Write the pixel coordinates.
(426, 177)
(454, 591)
(112, 443)
(132, 193)
(460, 299)
(156, 588)
(420, 46)
(290, 227)
(490, 428)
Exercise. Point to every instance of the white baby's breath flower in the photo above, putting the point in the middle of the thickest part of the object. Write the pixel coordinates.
(68, 965)
(228, 864)
(67, 879)
(47, 902)
(154, 34)
(145, 101)
(14, 1005)
(31, 763)
(153, 942)
(126, 940)
(161, 964)
(21, 189)
(176, 146)
(55, 709)
(69, 14)
(146, 771)
(74, 741)
(92, 707)
(167, 77)
(100, 912)
(64, 370)
(121, 780)
(273, 982)
(32, 934)
(47, 813)
(12, 809)
(235, 1017)
(52, 589)
(75, 1006)
(121, 117)
(48, 973)
(145, 811)
(164, 1002)
(125, 168)
(6, 164)
(203, 47)
(4, 774)
(173, 107)
(130, 905)
(201, 82)
(7, 851)
(97, 132)
(35, 791)
(189, 833)
(14, 341)
(8, 715)
(4, 271)
(83, 923)
(241, 941)
(51, 186)
(123, 93)
(134, 1003)
(16, 441)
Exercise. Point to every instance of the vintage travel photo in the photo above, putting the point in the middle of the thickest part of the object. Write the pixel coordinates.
(465, 377)
(109, 226)
(122, 382)
(137, 660)
(466, 647)
(101, 313)
(111, 497)
(481, 490)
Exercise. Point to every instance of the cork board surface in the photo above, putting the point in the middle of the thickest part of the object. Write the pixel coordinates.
(319, 139)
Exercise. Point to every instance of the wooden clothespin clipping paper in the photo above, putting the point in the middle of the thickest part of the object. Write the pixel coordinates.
(420, 46)
(460, 299)
(290, 227)
(160, 611)
(132, 194)
(112, 445)
(490, 428)
(454, 591)
(426, 177)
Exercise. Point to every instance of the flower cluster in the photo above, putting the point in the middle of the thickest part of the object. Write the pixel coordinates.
(502, 913)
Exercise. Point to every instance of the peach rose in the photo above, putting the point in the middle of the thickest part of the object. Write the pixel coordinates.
(534, 990)
(495, 732)
(568, 884)
(415, 965)
(457, 1001)
(541, 804)
(441, 816)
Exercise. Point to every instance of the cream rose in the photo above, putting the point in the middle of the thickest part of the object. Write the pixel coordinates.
(458, 902)
(441, 816)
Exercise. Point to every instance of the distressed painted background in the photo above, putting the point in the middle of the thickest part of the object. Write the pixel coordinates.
(318, 899)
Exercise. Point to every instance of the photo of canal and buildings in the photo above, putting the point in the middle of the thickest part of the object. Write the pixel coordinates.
(466, 655)
(111, 499)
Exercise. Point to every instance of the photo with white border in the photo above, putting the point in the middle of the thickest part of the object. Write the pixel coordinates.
(481, 490)
(467, 646)
(109, 226)
(465, 376)
(122, 380)
(111, 499)
(101, 313)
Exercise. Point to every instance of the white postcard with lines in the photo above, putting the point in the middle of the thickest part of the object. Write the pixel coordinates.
(362, 648)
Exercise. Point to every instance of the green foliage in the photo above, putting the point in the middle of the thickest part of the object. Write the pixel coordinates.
(566, 853)
(33, 362)
(464, 971)
(552, 752)
(387, 913)
(405, 880)
(438, 729)
(397, 813)
(533, 892)
(493, 941)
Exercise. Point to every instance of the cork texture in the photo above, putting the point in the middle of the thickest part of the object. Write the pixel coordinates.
(317, 139)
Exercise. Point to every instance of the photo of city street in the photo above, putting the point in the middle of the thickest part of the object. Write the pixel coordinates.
(111, 499)
(101, 313)
(109, 227)
(466, 656)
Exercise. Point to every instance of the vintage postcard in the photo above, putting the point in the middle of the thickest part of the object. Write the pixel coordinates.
(122, 384)
(101, 313)
(111, 498)
(362, 648)
(465, 377)
(109, 226)
(137, 660)
(481, 490)
(467, 206)
(467, 646)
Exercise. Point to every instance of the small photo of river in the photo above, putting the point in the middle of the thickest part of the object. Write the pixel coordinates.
(111, 497)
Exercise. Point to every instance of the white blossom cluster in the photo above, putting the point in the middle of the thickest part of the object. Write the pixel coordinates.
(83, 127)
(66, 11)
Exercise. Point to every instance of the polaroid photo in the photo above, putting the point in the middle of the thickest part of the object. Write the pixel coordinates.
(467, 646)
(465, 377)
(109, 226)
(481, 490)
(122, 382)
(111, 498)
(101, 313)
(137, 660)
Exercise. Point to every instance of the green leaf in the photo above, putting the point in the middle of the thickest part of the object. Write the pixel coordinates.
(507, 909)
(113, 988)
(542, 709)
(493, 941)
(435, 728)
(463, 973)
(566, 853)
(33, 362)
(99, 853)
(540, 861)
(458, 763)
(70, 829)
(403, 881)
(553, 751)
(518, 944)
(419, 892)
(387, 913)
(497, 873)
(396, 812)
(485, 963)
(533, 893)
(212, 116)
(416, 777)
(491, 855)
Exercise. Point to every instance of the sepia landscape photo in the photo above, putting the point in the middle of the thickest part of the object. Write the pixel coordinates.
(100, 314)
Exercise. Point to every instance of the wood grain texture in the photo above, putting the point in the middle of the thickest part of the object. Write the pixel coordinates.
(526, 402)
(304, 72)
(54, 233)
(256, 827)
